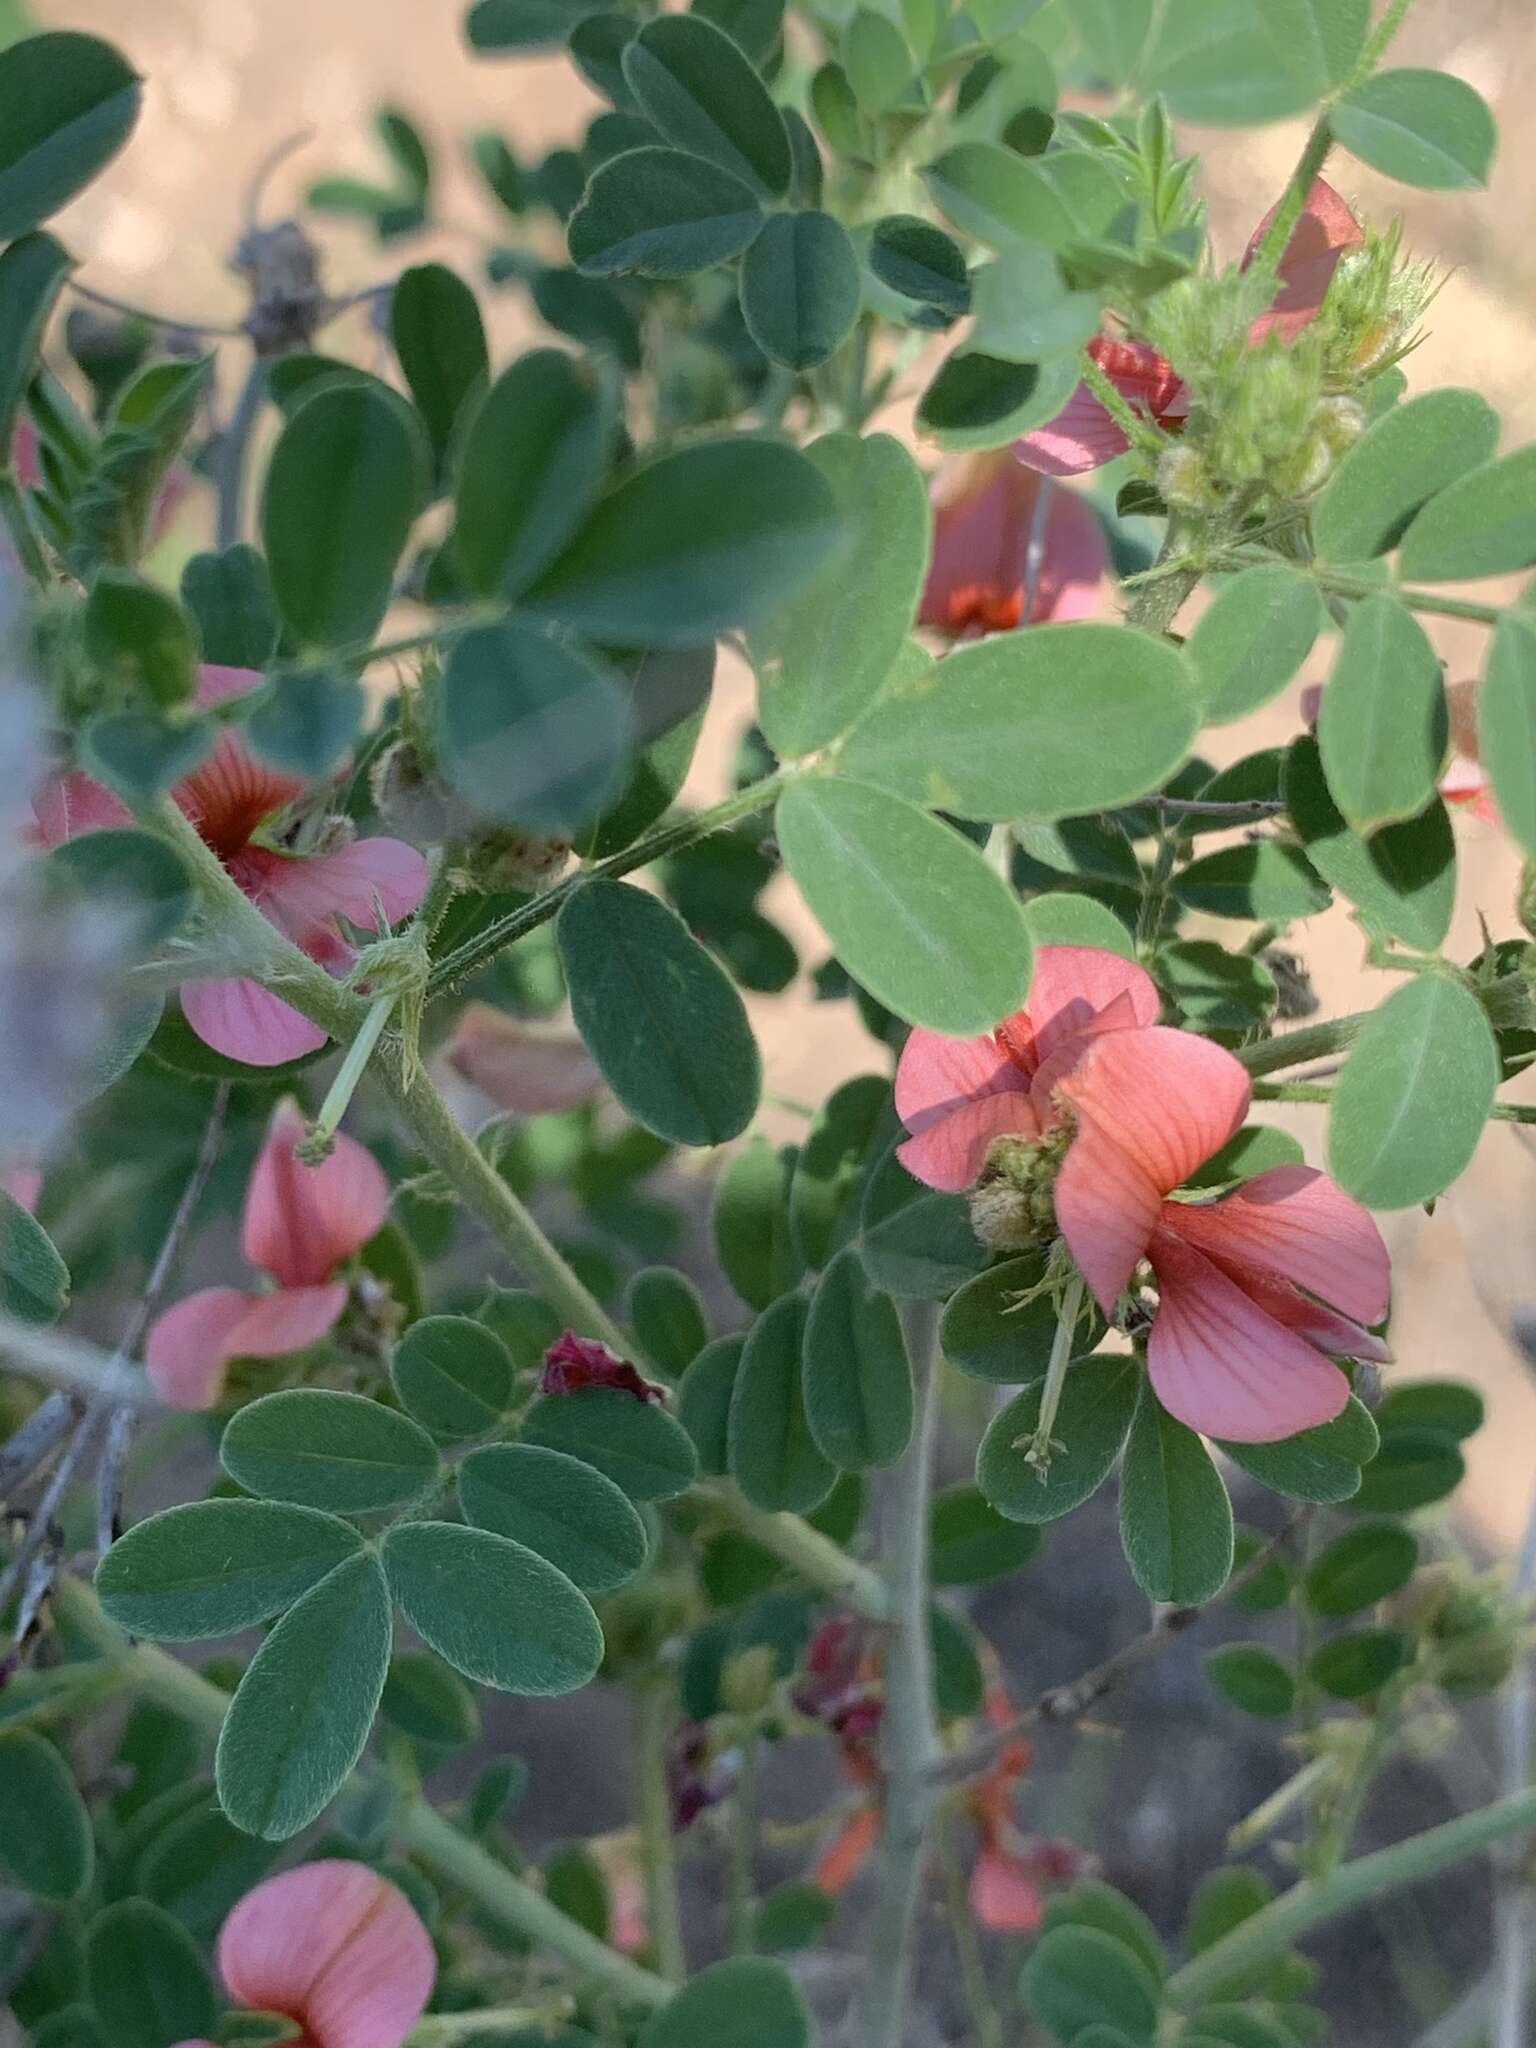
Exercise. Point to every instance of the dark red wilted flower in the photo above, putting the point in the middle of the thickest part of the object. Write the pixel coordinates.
(696, 1778)
(572, 1363)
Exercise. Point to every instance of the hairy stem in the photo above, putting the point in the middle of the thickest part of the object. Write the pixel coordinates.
(1269, 1932)
(230, 454)
(456, 966)
(273, 960)
(1270, 252)
(986, 2021)
(149, 1673)
(910, 1745)
(1507, 1001)
(655, 1703)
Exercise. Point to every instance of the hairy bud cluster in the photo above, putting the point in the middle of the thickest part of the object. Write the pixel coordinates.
(1013, 1207)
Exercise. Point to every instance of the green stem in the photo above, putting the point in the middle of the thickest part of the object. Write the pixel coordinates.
(275, 961)
(1125, 416)
(1268, 255)
(1432, 601)
(1507, 1002)
(455, 967)
(655, 1717)
(910, 1746)
(986, 2021)
(1041, 1443)
(531, 2022)
(339, 1095)
(150, 1674)
(451, 1855)
(1269, 1932)
(743, 1849)
(1381, 41)
(1161, 597)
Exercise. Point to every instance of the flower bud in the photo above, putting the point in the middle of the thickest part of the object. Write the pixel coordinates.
(1183, 480)
(746, 1681)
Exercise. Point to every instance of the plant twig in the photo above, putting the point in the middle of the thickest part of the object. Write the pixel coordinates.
(655, 1703)
(125, 306)
(909, 1746)
(231, 450)
(1071, 1701)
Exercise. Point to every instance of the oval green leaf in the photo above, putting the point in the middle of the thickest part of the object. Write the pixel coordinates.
(1506, 725)
(301, 1715)
(1402, 879)
(212, 1567)
(800, 288)
(453, 1375)
(34, 1280)
(1052, 723)
(825, 658)
(492, 1608)
(1253, 639)
(1383, 727)
(970, 1542)
(1353, 1666)
(533, 455)
(667, 1312)
(654, 212)
(67, 105)
(1175, 1517)
(663, 1021)
(747, 2002)
(343, 488)
(1421, 127)
(316, 1448)
(1409, 454)
(1361, 1567)
(994, 1331)
(857, 1376)
(1321, 1465)
(46, 1845)
(914, 911)
(145, 1972)
(699, 541)
(32, 274)
(976, 402)
(1253, 1678)
(530, 730)
(704, 96)
(704, 1401)
(645, 1451)
(558, 1507)
(1078, 1977)
(439, 337)
(1414, 1095)
(1098, 1402)
(773, 1456)
(1484, 524)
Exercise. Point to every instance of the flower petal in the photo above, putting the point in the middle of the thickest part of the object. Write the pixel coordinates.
(1000, 532)
(231, 793)
(217, 683)
(1296, 1224)
(1151, 1106)
(1325, 233)
(246, 1022)
(1221, 1365)
(522, 1068)
(949, 1151)
(72, 805)
(848, 1852)
(1073, 985)
(1004, 1894)
(302, 1222)
(302, 892)
(23, 1184)
(1081, 437)
(334, 1946)
(188, 1348)
(936, 1075)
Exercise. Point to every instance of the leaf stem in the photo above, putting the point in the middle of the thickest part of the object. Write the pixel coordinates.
(457, 966)
(1270, 1931)
(910, 1746)
(1270, 252)
(150, 1673)
(655, 1703)
(277, 963)
(1041, 1442)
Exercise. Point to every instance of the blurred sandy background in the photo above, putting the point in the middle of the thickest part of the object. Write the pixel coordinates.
(228, 78)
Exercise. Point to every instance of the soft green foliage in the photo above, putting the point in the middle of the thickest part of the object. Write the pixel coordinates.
(467, 837)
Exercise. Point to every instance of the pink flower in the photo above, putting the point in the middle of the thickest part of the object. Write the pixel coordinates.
(987, 509)
(301, 1225)
(335, 1947)
(523, 1068)
(572, 1363)
(1242, 1344)
(231, 798)
(23, 1184)
(1083, 436)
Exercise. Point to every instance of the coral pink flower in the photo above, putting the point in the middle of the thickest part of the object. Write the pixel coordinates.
(989, 511)
(23, 1184)
(1242, 1342)
(572, 1364)
(335, 1947)
(301, 1225)
(1083, 436)
(522, 1067)
(230, 798)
